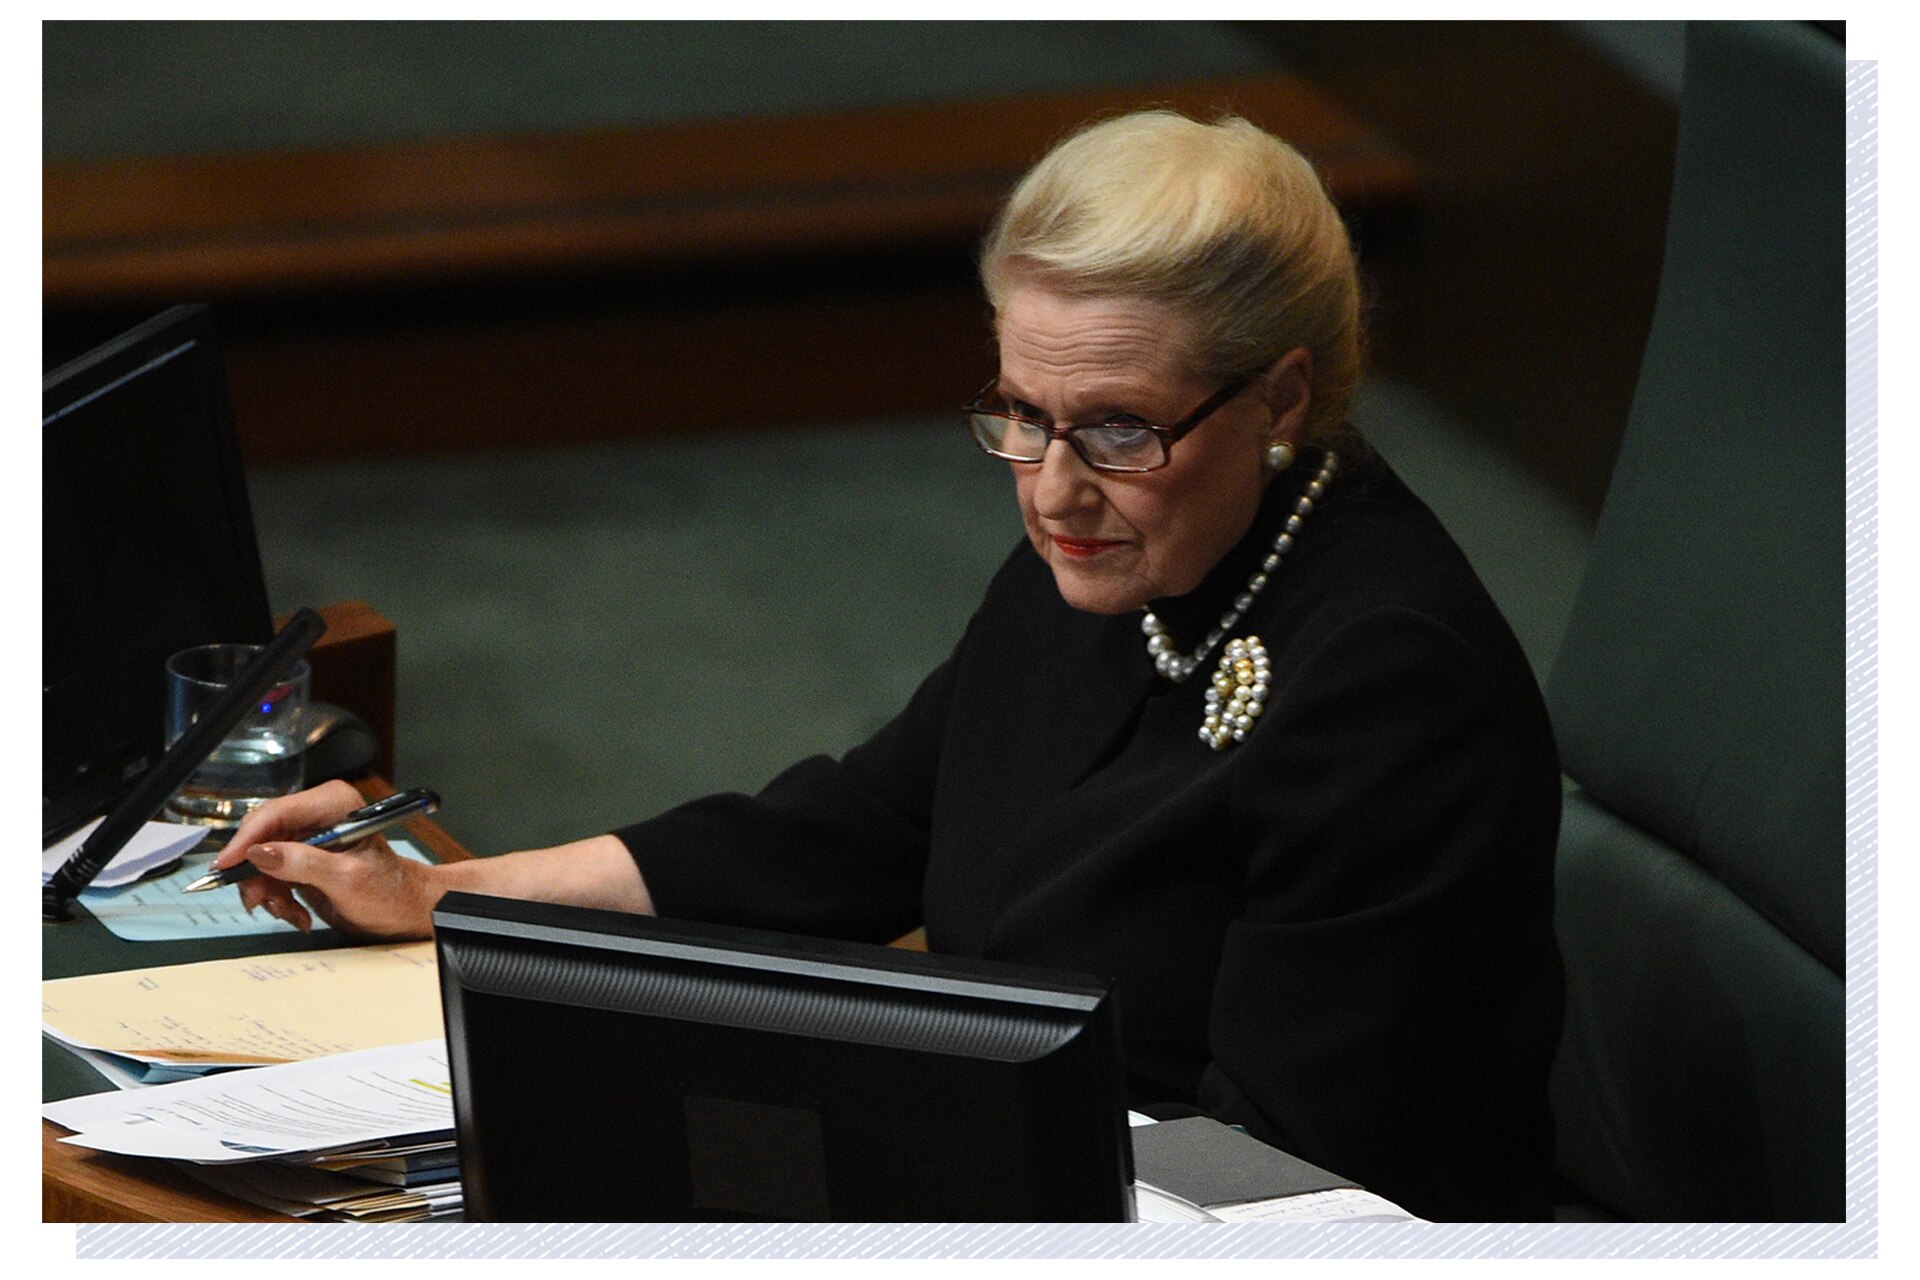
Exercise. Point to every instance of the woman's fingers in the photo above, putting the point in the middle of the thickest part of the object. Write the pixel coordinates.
(285, 908)
(290, 818)
(296, 915)
(322, 906)
(253, 893)
(275, 894)
(365, 888)
(264, 839)
(275, 897)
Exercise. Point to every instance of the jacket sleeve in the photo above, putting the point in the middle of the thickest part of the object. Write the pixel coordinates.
(831, 848)
(1394, 961)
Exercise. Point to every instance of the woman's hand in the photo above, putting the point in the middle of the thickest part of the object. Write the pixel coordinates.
(365, 888)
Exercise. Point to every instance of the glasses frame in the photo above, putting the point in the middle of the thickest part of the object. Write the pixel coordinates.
(1168, 434)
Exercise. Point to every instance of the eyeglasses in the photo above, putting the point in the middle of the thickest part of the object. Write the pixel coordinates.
(1122, 444)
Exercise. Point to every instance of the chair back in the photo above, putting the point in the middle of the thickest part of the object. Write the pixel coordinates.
(1699, 694)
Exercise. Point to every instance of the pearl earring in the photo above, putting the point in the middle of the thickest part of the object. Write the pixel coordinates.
(1279, 456)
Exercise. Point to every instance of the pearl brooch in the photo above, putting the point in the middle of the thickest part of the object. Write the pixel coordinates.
(1176, 666)
(1239, 693)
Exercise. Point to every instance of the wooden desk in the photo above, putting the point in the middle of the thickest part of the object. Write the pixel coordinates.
(78, 1185)
(354, 666)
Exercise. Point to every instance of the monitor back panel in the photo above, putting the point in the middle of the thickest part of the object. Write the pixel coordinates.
(617, 1068)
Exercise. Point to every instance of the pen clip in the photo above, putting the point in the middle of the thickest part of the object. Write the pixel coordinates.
(398, 800)
(377, 817)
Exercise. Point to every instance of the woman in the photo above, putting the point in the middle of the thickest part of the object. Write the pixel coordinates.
(1237, 726)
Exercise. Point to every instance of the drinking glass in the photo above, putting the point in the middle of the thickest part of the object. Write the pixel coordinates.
(262, 757)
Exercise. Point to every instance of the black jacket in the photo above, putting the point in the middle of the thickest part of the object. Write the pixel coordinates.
(1336, 933)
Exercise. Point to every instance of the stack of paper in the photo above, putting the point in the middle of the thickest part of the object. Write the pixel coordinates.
(153, 846)
(412, 1166)
(282, 1136)
(314, 1013)
(309, 1192)
(390, 1183)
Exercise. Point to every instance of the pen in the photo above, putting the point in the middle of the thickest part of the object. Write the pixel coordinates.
(375, 817)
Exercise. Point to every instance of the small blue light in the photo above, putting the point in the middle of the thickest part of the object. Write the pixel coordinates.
(266, 708)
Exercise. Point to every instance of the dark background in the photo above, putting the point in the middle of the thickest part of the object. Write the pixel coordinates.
(655, 512)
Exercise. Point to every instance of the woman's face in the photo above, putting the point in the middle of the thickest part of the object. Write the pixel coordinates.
(1115, 541)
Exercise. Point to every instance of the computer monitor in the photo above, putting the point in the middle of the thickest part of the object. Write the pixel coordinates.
(147, 548)
(619, 1068)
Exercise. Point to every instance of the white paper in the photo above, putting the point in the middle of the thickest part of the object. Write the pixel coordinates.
(343, 1100)
(1151, 1204)
(1342, 1204)
(154, 845)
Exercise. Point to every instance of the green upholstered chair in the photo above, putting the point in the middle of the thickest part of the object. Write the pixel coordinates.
(1699, 694)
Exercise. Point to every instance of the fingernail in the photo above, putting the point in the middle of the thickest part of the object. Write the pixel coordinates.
(265, 857)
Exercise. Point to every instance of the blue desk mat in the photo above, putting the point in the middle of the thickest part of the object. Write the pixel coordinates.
(159, 910)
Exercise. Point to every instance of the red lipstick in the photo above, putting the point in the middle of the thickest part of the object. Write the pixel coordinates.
(1082, 548)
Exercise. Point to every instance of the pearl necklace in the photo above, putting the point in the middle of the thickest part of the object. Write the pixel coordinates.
(1176, 666)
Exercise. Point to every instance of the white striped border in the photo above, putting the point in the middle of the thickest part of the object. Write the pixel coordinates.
(1863, 637)
(980, 1240)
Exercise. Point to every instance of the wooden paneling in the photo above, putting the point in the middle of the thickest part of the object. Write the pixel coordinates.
(1524, 299)
(163, 229)
(653, 366)
(354, 666)
(535, 290)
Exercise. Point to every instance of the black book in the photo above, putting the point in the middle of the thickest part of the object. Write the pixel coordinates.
(1210, 1164)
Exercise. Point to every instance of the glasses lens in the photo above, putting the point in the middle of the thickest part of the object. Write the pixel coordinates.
(1121, 447)
(1008, 437)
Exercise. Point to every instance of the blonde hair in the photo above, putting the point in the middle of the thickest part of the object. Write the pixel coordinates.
(1223, 222)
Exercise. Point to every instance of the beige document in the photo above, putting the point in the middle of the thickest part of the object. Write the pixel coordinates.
(252, 1010)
